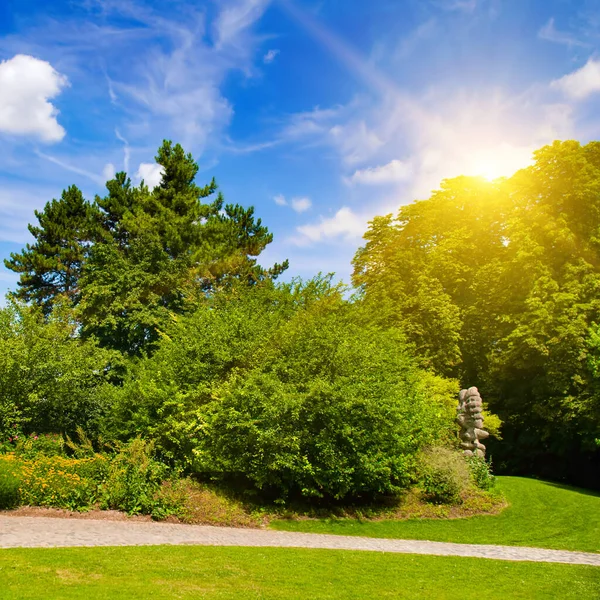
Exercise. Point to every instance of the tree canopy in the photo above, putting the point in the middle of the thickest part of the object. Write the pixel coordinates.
(497, 283)
(133, 258)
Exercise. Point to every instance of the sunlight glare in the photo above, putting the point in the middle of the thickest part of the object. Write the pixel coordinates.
(501, 161)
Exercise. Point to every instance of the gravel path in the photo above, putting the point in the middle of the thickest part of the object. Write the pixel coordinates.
(42, 532)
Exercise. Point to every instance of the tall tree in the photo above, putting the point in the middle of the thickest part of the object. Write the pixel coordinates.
(159, 251)
(52, 265)
(138, 256)
(497, 283)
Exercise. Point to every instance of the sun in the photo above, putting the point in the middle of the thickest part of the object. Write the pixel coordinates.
(503, 160)
(490, 170)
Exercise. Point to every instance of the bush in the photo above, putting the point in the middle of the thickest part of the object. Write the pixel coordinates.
(133, 482)
(285, 388)
(481, 472)
(130, 481)
(50, 378)
(9, 485)
(445, 475)
(333, 409)
(45, 444)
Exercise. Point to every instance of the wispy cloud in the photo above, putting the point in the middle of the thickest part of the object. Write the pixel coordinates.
(392, 172)
(298, 204)
(549, 33)
(270, 56)
(344, 225)
(126, 150)
(95, 177)
(235, 17)
(171, 81)
(581, 83)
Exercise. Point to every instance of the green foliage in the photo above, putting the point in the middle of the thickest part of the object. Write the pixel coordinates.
(285, 387)
(129, 480)
(481, 472)
(44, 444)
(9, 486)
(49, 377)
(135, 257)
(133, 482)
(51, 267)
(57, 481)
(497, 284)
(445, 475)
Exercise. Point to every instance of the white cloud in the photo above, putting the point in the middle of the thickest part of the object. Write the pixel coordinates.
(549, 33)
(126, 150)
(356, 140)
(27, 85)
(581, 83)
(108, 172)
(150, 173)
(235, 17)
(270, 56)
(345, 224)
(301, 205)
(393, 172)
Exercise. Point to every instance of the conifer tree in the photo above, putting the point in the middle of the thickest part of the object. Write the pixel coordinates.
(138, 256)
(52, 265)
(159, 251)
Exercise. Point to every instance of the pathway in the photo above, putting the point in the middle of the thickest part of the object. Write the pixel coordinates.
(43, 532)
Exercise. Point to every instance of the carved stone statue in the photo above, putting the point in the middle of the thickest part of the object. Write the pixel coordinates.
(470, 420)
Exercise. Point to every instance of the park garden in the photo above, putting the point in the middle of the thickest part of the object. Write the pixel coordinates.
(150, 364)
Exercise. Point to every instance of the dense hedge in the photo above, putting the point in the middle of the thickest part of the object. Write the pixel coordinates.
(289, 389)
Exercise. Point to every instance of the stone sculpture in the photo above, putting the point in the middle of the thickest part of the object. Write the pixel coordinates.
(470, 419)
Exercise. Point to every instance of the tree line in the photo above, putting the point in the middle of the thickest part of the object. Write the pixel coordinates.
(145, 312)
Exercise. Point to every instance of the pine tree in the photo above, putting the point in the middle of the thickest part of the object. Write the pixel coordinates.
(136, 257)
(51, 266)
(159, 251)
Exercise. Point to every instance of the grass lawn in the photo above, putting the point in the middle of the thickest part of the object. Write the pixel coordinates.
(540, 514)
(203, 572)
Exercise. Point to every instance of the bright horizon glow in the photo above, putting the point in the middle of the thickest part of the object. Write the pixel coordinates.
(502, 161)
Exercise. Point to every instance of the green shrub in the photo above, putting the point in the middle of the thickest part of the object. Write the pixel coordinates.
(445, 475)
(44, 444)
(49, 376)
(333, 409)
(9, 485)
(133, 482)
(481, 472)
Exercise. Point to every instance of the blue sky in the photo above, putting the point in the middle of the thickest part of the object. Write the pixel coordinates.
(321, 114)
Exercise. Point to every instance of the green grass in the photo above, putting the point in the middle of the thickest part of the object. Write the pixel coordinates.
(203, 572)
(540, 514)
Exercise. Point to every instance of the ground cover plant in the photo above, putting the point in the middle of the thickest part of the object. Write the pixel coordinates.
(193, 572)
(542, 514)
(127, 479)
